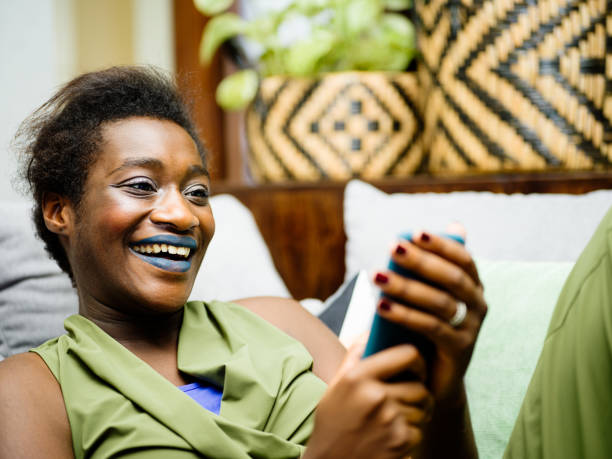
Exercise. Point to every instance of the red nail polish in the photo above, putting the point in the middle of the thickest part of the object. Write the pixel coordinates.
(381, 278)
(384, 305)
(400, 250)
(425, 237)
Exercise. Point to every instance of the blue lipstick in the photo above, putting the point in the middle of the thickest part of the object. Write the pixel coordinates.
(177, 266)
(165, 260)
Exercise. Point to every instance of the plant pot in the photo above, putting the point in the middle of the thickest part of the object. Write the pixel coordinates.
(515, 86)
(336, 126)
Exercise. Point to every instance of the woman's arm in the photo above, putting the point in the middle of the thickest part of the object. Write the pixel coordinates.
(364, 413)
(452, 279)
(33, 420)
(288, 315)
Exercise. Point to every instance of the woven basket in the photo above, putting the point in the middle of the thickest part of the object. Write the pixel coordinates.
(516, 85)
(337, 126)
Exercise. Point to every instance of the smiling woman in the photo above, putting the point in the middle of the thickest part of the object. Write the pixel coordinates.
(148, 188)
(120, 184)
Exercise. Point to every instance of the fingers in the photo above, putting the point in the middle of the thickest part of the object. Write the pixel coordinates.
(447, 267)
(430, 326)
(352, 357)
(436, 301)
(389, 362)
(412, 394)
(448, 249)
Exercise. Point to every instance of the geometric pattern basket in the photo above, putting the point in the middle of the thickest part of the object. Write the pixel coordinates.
(335, 126)
(516, 85)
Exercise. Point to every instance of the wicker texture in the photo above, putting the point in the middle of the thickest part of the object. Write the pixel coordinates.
(337, 126)
(516, 85)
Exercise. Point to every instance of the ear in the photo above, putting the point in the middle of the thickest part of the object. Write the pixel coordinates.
(58, 213)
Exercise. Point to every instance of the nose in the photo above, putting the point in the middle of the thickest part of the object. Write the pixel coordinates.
(173, 210)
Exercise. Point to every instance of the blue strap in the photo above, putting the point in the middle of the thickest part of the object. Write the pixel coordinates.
(207, 396)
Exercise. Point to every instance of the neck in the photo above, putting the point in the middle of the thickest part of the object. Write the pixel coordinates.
(136, 330)
(151, 336)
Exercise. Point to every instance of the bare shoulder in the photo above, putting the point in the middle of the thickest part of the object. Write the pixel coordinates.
(33, 420)
(289, 315)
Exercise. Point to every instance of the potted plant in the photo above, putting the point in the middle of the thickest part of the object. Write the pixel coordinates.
(325, 86)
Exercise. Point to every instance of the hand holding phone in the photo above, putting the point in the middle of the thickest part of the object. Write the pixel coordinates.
(384, 333)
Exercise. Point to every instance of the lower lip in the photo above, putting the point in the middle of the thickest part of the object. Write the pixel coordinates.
(175, 266)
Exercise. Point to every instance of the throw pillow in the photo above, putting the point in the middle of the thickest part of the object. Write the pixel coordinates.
(238, 263)
(35, 295)
(535, 227)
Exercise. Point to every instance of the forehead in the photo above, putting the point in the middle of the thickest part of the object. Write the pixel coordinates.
(140, 137)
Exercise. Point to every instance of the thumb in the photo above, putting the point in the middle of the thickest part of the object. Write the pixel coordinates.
(456, 228)
(352, 357)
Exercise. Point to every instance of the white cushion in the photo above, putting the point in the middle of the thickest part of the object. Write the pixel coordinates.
(536, 227)
(237, 263)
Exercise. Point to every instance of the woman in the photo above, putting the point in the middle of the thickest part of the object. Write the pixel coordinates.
(121, 188)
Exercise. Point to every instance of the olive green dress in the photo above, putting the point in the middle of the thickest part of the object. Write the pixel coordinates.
(118, 406)
(567, 411)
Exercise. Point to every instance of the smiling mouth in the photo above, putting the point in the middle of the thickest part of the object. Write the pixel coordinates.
(170, 253)
(163, 250)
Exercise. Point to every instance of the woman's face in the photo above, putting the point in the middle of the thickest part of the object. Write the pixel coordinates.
(144, 221)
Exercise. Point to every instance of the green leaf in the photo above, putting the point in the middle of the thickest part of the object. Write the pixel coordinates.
(397, 30)
(304, 56)
(212, 7)
(390, 46)
(311, 7)
(397, 5)
(237, 90)
(360, 15)
(219, 29)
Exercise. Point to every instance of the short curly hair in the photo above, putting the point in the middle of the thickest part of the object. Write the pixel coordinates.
(59, 142)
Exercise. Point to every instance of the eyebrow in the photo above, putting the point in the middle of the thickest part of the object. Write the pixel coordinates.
(196, 169)
(153, 163)
(150, 163)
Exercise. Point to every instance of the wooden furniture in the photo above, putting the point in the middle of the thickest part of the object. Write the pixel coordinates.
(302, 224)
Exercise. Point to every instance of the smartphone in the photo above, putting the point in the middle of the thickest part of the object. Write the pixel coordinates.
(384, 333)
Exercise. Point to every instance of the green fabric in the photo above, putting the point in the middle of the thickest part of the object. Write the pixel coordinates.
(521, 298)
(567, 412)
(118, 405)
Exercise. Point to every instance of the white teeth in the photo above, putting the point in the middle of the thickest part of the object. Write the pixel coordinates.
(165, 248)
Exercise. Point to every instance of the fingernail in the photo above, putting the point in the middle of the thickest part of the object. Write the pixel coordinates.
(384, 305)
(381, 278)
(400, 250)
(425, 237)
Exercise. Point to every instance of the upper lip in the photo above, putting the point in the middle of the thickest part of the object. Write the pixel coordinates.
(169, 239)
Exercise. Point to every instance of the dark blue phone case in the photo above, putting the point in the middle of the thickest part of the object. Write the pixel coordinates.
(384, 333)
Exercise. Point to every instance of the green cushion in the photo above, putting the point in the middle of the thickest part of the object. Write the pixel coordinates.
(521, 297)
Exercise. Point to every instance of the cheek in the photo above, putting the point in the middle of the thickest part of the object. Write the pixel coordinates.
(207, 223)
(115, 218)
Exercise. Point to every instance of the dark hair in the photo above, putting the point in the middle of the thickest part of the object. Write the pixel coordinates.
(60, 140)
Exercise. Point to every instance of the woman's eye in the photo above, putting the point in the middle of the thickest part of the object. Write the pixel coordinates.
(198, 193)
(142, 186)
(139, 187)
